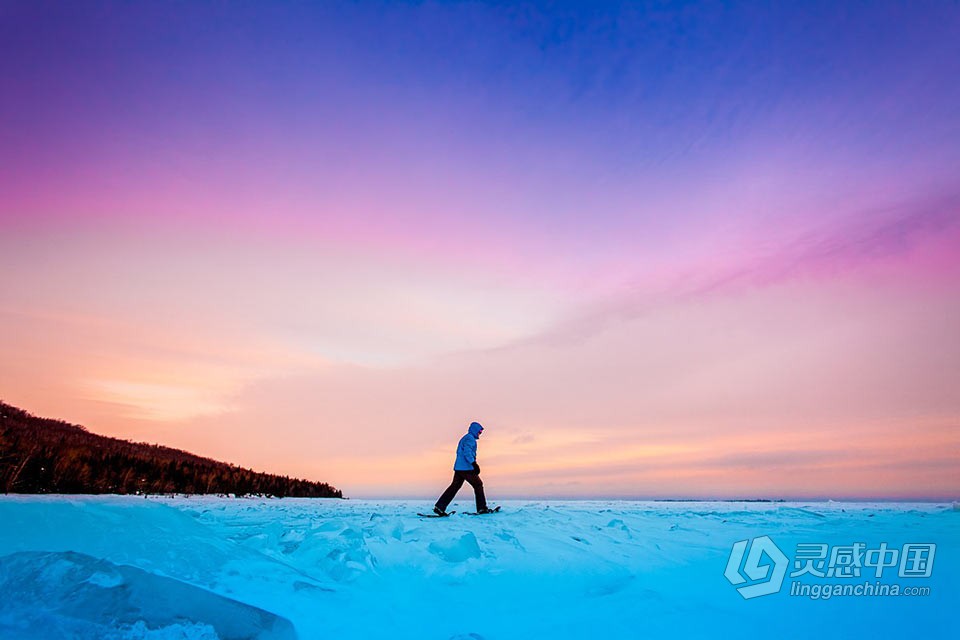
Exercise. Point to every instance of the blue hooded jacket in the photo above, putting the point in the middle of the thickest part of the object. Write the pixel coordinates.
(467, 448)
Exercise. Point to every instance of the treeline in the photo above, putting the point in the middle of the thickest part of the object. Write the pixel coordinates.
(38, 455)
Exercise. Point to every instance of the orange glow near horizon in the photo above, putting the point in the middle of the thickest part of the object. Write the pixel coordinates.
(776, 392)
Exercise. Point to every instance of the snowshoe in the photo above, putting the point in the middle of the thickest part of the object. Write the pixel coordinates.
(483, 511)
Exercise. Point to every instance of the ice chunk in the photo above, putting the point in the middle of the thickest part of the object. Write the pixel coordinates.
(457, 549)
(68, 594)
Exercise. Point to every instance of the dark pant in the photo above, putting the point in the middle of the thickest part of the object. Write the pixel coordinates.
(458, 479)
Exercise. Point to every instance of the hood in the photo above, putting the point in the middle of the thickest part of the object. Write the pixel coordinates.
(474, 429)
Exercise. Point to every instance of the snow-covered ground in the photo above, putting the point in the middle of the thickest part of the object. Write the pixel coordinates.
(204, 567)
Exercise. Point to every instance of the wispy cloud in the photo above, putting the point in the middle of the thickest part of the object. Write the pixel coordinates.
(887, 237)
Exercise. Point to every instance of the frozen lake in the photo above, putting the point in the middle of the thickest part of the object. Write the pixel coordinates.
(206, 567)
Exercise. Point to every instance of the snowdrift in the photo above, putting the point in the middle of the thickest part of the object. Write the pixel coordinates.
(203, 568)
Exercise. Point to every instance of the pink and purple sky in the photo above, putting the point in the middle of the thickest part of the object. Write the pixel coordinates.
(658, 251)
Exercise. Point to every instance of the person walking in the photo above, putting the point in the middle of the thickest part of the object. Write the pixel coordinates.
(465, 469)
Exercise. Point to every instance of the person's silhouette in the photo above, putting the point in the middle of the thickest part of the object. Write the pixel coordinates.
(465, 469)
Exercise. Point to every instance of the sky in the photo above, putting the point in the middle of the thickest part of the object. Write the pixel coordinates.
(660, 250)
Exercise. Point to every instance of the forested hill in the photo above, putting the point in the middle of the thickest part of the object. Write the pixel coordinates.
(39, 455)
